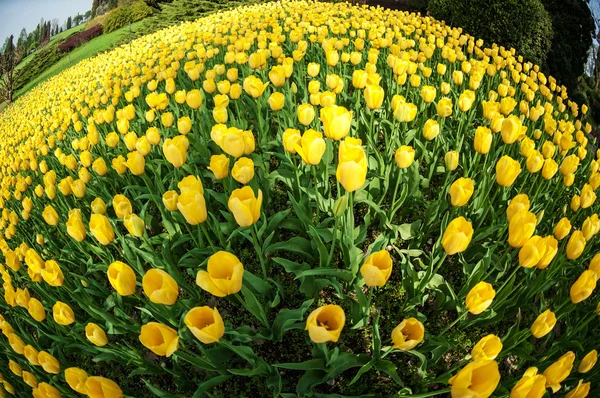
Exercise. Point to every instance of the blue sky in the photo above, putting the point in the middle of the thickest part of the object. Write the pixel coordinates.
(18, 14)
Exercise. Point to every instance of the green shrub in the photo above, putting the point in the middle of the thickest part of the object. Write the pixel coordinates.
(521, 24)
(42, 60)
(126, 14)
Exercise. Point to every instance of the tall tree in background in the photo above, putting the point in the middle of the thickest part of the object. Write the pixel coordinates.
(77, 19)
(95, 4)
(9, 58)
(22, 40)
(156, 3)
(574, 30)
(69, 22)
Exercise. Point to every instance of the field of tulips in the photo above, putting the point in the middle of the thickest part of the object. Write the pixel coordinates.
(299, 199)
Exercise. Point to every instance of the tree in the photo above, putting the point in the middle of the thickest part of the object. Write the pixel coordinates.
(88, 14)
(95, 4)
(69, 23)
(156, 3)
(9, 58)
(22, 38)
(77, 19)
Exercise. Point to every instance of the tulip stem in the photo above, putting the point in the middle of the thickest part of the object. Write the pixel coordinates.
(462, 316)
(333, 240)
(428, 394)
(314, 171)
(392, 209)
(258, 250)
(203, 228)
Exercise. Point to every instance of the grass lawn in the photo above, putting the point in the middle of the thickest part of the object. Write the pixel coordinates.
(89, 49)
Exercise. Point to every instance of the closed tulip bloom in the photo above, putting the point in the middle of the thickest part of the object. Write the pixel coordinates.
(532, 252)
(521, 228)
(461, 191)
(190, 183)
(507, 171)
(457, 236)
(95, 335)
(587, 197)
(219, 165)
(326, 323)
(277, 76)
(160, 339)
(568, 180)
(405, 155)
(160, 287)
(352, 167)
(477, 379)
(428, 94)
(75, 227)
(223, 275)
(313, 69)
(50, 215)
(76, 379)
(243, 170)
(336, 121)
(444, 107)
(122, 206)
(377, 268)
(562, 228)
(531, 385)
(588, 362)
(98, 206)
(169, 199)
(15, 368)
(63, 314)
(175, 150)
(192, 205)
(559, 371)
(276, 101)
(99, 166)
(101, 387)
(584, 286)
(30, 379)
(569, 165)
(518, 203)
(184, 126)
(22, 297)
(193, 99)
(590, 227)
(580, 391)
(550, 168)
(543, 324)
(431, 129)
(52, 274)
(291, 138)
(465, 101)
(122, 278)
(408, 334)
(15, 343)
(136, 163)
(43, 390)
(254, 86)
(374, 95)
(535, 162)
(31, 354)
(575, 245)
(479, 298)
(551, 248)
(487, 348)
(134, 225)
(483, 140)
(306, 114)
(205, 323)
(451, 160)
(48, 363)
(101, 229)
(311, 147)
(36, 310)
(511, 129)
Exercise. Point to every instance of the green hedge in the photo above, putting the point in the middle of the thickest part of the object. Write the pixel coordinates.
(126, 14)
(42, 60)
(522, 24)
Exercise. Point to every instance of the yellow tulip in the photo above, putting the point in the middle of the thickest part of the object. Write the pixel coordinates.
(101, 387)
(551, 248)
(135, 163)
(487, 348)
(336, 121)
(457, 236)
(466, 99)
(518, 203)
(160, 339)
(122, 206)
(377, 268)
(428, 94)
(311, 147)
(76, 379)
(175, 150)
(483, 140)
(521, 228)
(431, 129)
(254, 86)
(48, 363)
(15, 342)
(31, 354)
(190, 183)
(532, 252)
(219, 165)
(535, 162)
(101, 229)
(160, 287)
(99, 167)
(192, 206)
(569, 165)
(122, 278)
(581, 390)
(134, 225)
(306, 114)
(543, 324)
(290, 138)
(408, 334)
(52, 274)
(169, 199)
(451, 160)
(63, 314)
(326, 323)
(479, 298)
(44, 390)
(374, 95)
(184, 126)
(352, 167)
(193, 99)
(223, 276)
(511, 129)
(531, 385)
(404, 157)
(95, 335)
(559, 371)
(584, 286)
(15, 368)
(550, 168)
(277, 76)
(276, 101)
(50, 215)
(507, 171)
(477, 379)
(562, 228)
(98, 206)
(75, 227)
(30, 379)
(588, 362)
(205, 323)
(575, 245)
(444, 107)
(36, 310)
(587, 197)
(313, 69)
(461, 191)
(243, 170)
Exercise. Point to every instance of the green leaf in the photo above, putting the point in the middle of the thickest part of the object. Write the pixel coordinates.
(209, 384)
(297, 244)
(342, 274)
(254, 306)
(286, 318)
(312, 364)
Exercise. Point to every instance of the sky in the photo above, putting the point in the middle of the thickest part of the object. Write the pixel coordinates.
(18, 14)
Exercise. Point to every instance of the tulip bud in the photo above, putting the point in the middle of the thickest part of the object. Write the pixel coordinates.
(134, 225)
(479, 298)
(95, 335)
(588, 362)
(575, 245)
(461, 191)
(478, 379)
(543, 324)
(559, 371)
(219, 165)
(451, 160)
(122, 278)
(487, 348)
(374, 95)
(483, 140)
(584, 286)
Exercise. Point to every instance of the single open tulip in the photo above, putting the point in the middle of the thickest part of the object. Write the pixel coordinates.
(245, 206)
(487, 348)
(122, 206)
(326, 323)
(223, 276)
(483, 140)
(374, 95)
(160, 287)
(52, 274)
(588, 362)
(101, 387)
(290, 138)
(404, 157)
(311, 147)
(562, 228)
(408, 334)
(175, 150)
(507, 171)
(521, 228)
(76, 379)
(477, 379)
(205, 323)
(95, 335)
(479, 298)
(377, 268)
(543, 324)
(559, 371)
(169, 199)
(160, 339)
(457, 236)
(531, 385)
(63, 314)
(584, 286)
(254, 86)
(575, 245)
(122, 278)
(336, 121)
(48, 363)
(431, 129)
(134, 225)
(192, 205)
(461, 191)
(243, 170)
